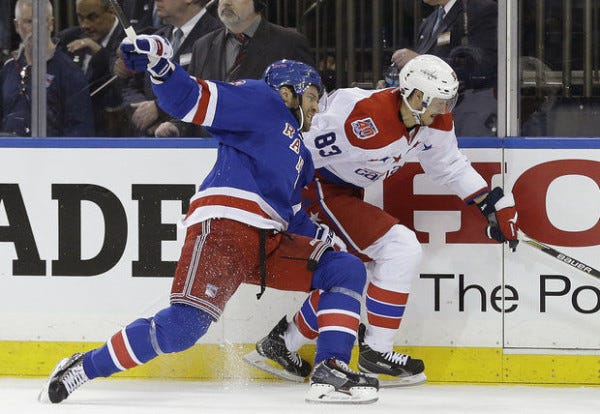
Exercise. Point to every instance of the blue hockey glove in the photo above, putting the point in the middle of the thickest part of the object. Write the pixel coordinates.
(151, 53)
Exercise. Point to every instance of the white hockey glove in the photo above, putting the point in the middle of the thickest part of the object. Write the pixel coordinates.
(500, 211)
(151, 53)
(324, 233)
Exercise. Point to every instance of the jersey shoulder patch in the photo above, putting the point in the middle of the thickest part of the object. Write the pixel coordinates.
(374, 121)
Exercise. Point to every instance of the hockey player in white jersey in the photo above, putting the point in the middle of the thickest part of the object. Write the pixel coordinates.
(361, 138)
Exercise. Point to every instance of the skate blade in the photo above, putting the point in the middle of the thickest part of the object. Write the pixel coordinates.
(43, 396)
(258, 361)
(326, 394)
(387, 381)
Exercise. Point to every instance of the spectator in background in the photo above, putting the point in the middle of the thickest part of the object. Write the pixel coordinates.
(243, 49)
(93, 45)
(142, 15)
(535, 107)
(69, 108)
(464, 33)
(186, 21)
(5, 30)
(327, 71)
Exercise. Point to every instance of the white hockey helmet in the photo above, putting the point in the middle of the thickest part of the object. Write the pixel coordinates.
(435, 78)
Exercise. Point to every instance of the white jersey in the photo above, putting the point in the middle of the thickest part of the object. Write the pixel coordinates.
(360, 139)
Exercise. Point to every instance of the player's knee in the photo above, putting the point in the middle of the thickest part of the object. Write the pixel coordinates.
(342, 270)
(413, 249)
(179, 327)
(400, 244)
(396, 259)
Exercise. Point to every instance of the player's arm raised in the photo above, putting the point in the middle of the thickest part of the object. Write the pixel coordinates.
(181, 97)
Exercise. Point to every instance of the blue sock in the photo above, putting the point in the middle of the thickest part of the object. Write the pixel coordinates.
(173, 329)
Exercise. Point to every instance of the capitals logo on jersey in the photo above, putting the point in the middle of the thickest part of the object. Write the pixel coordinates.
(364, 128)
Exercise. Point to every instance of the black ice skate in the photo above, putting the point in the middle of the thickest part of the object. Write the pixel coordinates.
(333, 382)
(405, 370)
(67, 376)
(272, 356)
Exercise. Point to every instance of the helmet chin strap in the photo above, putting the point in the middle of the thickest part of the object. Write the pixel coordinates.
(417, 118)
(416, 114)
(301, 117)
(299, 109)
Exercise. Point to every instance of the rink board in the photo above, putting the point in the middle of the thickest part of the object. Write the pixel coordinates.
(108, 209)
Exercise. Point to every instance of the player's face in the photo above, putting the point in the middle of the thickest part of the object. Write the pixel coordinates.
(310, 106)
(437, 107)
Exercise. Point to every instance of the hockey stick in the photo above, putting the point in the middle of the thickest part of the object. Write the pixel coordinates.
(577, 264)
(124, 21)
(131, 35)
(104, 85)
(210, 3)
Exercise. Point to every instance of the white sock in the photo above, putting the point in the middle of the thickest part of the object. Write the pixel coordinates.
(293, 338)
(380, 339)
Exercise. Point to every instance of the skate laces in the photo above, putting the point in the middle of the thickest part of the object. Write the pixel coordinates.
(74, 377)
(344, 367)
(295, 358)
(396, 358)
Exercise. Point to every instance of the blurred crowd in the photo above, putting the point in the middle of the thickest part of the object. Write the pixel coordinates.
(90, 92)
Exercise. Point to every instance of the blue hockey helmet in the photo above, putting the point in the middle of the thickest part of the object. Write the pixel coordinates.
(297, 75)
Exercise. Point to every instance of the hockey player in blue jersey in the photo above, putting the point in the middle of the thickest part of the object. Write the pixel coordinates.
(236, 227)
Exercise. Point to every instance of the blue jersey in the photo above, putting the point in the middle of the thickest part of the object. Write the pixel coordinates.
(262, 163)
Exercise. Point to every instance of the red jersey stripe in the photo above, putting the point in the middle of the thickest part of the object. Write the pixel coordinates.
(304, 328)
(386, 296)
(314, 300)
(118, 343)
(337, 319)
(203, 104)
(383, 322)
(229, 201)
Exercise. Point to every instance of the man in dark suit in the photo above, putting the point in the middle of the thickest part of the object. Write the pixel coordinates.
(186, 21)
(141, 15)
(93, 46)
(464, 33)
(7, 29)
(241, 50)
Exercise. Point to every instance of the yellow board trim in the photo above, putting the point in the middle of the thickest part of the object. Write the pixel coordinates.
(224, 362)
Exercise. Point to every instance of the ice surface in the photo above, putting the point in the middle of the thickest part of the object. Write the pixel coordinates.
(127, 396)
